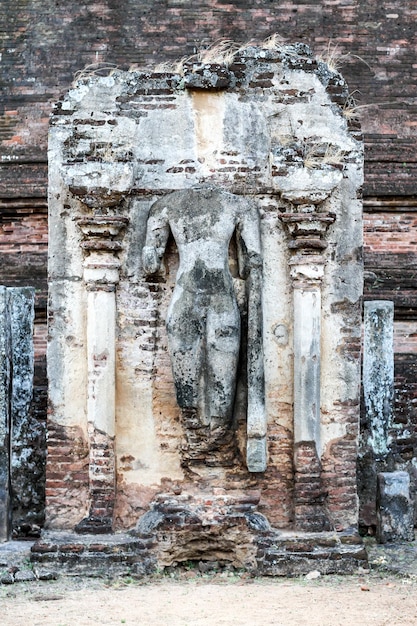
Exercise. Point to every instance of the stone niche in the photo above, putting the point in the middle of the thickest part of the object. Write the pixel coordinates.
(205, 276)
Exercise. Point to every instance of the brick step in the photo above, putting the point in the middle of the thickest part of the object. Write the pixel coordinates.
(278, 553)
(94, 555)
(296, 554)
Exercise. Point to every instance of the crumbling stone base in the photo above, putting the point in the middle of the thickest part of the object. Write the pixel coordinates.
(292, 553)
(206, 445)
(207, 527)
(225, 530)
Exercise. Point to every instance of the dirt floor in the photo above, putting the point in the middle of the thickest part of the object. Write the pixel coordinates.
(193, 599)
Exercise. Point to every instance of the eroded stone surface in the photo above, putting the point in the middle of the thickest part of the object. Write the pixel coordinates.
(203, 318)
(5, 415)
(272, 138)
(395, 508)
(18, 460)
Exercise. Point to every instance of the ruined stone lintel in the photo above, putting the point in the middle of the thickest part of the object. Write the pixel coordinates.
(207, 76)
(101, 276)
(395, 510)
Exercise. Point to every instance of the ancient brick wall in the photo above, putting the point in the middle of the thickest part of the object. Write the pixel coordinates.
(43, 44)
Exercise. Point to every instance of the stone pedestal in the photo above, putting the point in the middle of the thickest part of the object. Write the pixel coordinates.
(209, 532)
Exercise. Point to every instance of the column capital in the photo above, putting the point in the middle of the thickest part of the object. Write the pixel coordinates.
(100, 232)
(101, 243)
(306, 231)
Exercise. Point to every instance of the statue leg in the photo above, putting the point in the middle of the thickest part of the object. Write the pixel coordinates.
(186, 328)
(186, 323)
(223, 345)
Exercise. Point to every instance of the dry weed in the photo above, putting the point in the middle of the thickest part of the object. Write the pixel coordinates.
(273, 42)
(335, 59)
(95, 69)
(322, 154)
(221, 52)
(172, 67)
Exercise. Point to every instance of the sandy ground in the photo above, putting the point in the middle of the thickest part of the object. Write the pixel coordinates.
(365, 600)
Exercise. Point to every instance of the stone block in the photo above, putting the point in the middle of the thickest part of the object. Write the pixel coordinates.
(395, 514)
(26, 466)
(5, 414)
(378, 372)
(16, 388)
(256, 455)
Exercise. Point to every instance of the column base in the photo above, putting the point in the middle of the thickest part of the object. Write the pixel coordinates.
(310, 513)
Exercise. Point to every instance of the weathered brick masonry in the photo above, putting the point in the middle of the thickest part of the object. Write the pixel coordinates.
(44, 43)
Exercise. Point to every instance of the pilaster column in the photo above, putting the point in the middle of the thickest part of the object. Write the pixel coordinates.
(306, 233)
(306, 274)
(101, 276)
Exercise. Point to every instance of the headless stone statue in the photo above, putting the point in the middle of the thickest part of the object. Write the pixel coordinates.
(203, 321)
